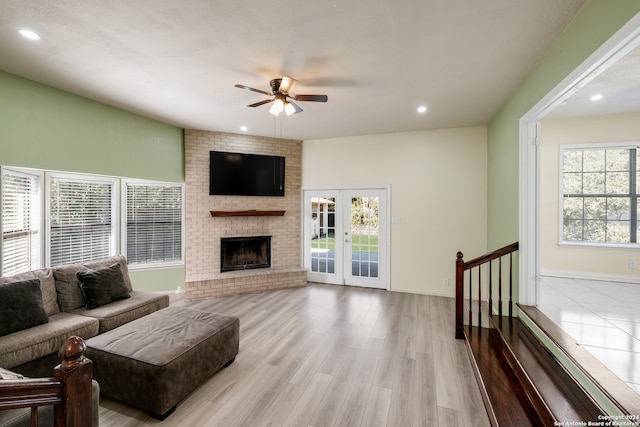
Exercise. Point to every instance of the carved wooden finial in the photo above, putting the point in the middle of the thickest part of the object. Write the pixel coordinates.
(72, 352)
(459, 255)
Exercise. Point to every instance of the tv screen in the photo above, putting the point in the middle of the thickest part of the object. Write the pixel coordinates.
(239, 174)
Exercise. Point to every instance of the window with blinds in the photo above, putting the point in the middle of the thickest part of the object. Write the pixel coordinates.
(81, 220)
(154, 223)
(21, 207)
(87, 217)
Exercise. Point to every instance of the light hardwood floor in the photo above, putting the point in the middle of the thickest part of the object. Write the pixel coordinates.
(331, 356)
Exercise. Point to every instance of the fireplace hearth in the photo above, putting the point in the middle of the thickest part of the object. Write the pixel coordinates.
(243, 253)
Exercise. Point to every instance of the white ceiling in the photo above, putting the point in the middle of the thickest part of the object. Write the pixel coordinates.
(617, 83)
(178, 61)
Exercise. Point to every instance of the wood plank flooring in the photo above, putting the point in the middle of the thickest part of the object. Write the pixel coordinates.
(331, 356)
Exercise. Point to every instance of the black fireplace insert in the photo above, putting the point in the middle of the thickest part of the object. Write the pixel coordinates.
(242, 253)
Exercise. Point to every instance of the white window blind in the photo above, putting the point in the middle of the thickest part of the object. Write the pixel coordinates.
(20, 222)
(154, 223)
(81, 226)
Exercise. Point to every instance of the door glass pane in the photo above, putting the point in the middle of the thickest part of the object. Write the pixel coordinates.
(323, 227)
(364, 236)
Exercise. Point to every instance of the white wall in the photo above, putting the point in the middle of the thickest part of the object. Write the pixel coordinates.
(438, 197)
(606, 263)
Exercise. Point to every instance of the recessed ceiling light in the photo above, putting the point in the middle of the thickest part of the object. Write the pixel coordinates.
(422, 109)
(596, 97)
(243, 128)
(28, 34)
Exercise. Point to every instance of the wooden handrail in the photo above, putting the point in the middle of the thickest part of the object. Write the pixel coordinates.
(69, 390)
(498, 253)
(462, 266)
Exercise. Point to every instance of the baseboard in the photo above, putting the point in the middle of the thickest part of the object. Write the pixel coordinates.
(585, 275)
(413, 291)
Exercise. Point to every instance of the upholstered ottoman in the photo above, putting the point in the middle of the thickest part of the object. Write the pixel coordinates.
(156, 361)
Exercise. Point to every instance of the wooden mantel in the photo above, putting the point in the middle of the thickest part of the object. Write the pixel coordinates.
(252, 212)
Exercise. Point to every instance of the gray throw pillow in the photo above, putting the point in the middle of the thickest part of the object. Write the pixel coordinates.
(68, 287)
(102, 286)
(47, 286)
(21, 306)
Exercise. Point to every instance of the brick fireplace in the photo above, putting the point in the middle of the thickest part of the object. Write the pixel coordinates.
(209, 219)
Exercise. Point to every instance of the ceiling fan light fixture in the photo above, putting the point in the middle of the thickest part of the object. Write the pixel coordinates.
(277, 107)
(282, 98)
(289, 109)
(287, 84)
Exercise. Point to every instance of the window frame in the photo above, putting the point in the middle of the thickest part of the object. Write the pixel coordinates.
(118, 212)
(50, 176)
(125, 182)
(629, 145)
(39, 217)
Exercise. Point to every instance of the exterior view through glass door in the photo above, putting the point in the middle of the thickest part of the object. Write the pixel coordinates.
(345, 235)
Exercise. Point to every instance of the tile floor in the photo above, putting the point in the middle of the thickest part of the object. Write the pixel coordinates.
(603, 317)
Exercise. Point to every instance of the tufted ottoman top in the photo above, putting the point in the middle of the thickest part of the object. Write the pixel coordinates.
(162, 336)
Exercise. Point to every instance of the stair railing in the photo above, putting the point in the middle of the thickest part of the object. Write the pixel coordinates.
(477, 263)
(68, 390)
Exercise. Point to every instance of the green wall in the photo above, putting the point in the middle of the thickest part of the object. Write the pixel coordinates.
(45, 128)
(596, 22)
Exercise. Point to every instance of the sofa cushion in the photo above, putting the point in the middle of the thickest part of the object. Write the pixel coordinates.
(68, 286)
(102, 286)
(21, 306)
(30, 344)
(124, 311)
(47, 286)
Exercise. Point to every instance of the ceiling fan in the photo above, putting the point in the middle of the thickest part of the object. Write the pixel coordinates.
(282, 97)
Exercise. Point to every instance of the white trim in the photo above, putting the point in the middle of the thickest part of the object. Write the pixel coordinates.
(622, 42)
(630, 145)
(528, 202)
(605, 277)
(594, 245)
(118, 210)
(123, 219)
(39, 174)
(81, 178)
(623, 145)
(339, 191)
(347, 187)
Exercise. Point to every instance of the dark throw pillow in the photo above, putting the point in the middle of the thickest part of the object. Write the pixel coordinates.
(102, 286)
(21, 306)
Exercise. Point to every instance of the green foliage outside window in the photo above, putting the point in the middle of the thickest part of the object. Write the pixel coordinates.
(600, 195)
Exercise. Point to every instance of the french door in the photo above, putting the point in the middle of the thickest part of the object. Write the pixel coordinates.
(345, 236)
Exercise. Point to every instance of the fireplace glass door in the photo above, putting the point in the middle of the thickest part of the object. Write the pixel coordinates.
(346, 237)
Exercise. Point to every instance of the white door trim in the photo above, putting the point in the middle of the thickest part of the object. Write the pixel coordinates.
(622, 42)
(385, 264)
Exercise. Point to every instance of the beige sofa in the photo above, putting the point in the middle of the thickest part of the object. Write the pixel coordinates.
(40, 309)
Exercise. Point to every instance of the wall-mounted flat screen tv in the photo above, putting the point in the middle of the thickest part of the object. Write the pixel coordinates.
(240, 174)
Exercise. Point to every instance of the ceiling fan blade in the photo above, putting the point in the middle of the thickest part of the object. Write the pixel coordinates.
(257, 104)
(296, 106)
(315, 98)
(287, 84)
(253, 90)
